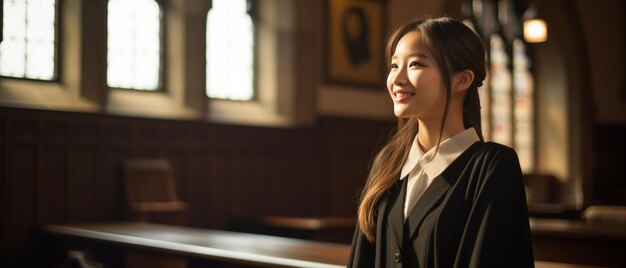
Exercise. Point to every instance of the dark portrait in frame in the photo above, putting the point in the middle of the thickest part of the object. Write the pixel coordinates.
(354, 42)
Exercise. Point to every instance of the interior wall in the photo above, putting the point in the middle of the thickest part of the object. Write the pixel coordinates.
(604, 24)
(552, 93)
(606, 50)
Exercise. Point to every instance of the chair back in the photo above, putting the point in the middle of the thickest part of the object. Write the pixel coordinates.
(151, 192)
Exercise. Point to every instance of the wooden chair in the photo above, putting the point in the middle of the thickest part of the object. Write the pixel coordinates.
(151, 193)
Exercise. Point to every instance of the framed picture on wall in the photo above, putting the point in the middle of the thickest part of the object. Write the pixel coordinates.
(355, 34)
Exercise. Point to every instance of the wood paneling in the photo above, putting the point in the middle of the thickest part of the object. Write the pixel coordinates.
(609, 181)
(20, 194)
(63, 167)
(52, 181)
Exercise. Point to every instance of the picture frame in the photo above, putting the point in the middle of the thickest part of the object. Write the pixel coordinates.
(355, 36)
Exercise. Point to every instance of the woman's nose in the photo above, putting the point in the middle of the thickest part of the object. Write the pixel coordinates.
(399, 77)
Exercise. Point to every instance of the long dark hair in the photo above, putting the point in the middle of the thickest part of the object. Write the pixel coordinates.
(455, 48)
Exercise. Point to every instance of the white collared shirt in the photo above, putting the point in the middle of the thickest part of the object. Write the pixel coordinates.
(422, 172)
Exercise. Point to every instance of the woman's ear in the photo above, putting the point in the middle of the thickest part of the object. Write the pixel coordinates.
(462, 80)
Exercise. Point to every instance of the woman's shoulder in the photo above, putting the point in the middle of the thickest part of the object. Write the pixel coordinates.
(492, 151)
(493, 147)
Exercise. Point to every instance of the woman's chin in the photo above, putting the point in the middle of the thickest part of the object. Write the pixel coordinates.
(402, 113)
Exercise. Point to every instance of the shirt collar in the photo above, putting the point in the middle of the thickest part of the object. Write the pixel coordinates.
(449, 150)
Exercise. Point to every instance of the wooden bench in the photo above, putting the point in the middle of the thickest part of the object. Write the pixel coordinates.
(576, 241)
(325, 229)
(149, 245)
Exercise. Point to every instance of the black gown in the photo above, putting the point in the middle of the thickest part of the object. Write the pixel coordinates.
(472, 215)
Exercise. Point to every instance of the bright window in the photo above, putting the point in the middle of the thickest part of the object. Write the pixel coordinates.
(507, 96)
(28, 49)
(230, 51)
(134, 44)
(500, 93)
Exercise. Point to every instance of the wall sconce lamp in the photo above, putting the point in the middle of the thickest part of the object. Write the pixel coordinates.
(535, 29)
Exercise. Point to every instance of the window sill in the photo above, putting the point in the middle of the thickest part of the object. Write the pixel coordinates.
(147, 104)
(42, 95)
(246, 113)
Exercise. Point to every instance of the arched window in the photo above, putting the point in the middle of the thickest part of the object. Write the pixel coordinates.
(230, 51)
(507, 94)
(28, 49)
(134, 44)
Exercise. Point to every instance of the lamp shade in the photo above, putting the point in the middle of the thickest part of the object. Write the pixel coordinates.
(535, 31)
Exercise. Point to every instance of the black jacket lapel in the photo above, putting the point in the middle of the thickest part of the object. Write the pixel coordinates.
(431, 197)
(434, 194)
(396, 211)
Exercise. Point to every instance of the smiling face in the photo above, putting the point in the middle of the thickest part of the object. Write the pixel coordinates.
(414, 82)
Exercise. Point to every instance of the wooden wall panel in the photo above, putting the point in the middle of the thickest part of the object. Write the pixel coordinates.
(609, 181)
(117, 133)
(352, 145)
(20, 197)
(82, 185)
(224, 168)
(53, 169)
(3, 187)
(53, 176)
(200, 190)
(64, 167)
(258, 189)
(110, 193)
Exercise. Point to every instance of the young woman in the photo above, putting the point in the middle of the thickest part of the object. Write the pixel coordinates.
(437, 195)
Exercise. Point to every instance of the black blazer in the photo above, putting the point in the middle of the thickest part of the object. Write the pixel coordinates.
(472, 215)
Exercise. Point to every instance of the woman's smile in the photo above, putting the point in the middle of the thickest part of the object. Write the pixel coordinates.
(402, 95)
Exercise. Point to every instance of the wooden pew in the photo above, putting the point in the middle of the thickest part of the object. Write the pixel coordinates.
(175, 244)
(559, 240)
(576, 241)
(324, 229)
(147, 245)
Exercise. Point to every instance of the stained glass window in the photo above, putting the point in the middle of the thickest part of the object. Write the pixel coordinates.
(501, 106)
(523, 88)
(28, 49)
(134, 44)
(230, 51)
(506, 97)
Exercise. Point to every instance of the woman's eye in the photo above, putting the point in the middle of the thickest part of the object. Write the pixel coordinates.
(394, 66)
(415, 63)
